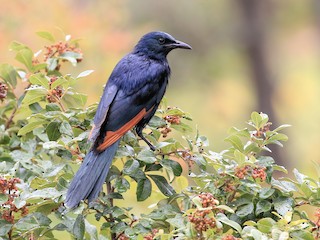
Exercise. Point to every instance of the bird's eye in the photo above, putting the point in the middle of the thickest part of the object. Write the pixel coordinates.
(161, 40)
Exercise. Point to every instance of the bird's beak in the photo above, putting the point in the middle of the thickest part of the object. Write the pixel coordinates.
(179, 44)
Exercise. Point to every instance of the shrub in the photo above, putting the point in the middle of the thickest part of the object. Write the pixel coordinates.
(231, 194)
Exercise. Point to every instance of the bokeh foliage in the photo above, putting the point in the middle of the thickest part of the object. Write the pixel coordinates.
(231, 194)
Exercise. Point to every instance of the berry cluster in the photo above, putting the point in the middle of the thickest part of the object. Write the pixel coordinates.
(59, 48)
(172, 119)
(3, 91)
(54, 94)
(257, 172)
(151, 235)
(241, 172)
(230, 237)
(200, 218)
(261, 132)
(165, 131)
(9, 188)
(316, 228)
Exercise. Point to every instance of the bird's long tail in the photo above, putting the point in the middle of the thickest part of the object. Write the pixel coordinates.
(88, 181)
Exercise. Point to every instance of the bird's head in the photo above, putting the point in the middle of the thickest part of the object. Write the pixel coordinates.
(158, 44)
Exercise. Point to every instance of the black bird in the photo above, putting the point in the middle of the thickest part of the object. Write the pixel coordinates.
(130, 98)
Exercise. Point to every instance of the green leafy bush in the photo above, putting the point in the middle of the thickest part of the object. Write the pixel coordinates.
(231, 194)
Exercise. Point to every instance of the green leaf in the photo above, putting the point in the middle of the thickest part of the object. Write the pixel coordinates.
(146, 156)
(263, 206)
(163, 185)
(34, 94)
(52, 64)
(30, 126)
(60, 81)
(53, 131)
(71, 57)
(85, 73)
(25, 56)
(76, 100)
(266, 192)
(256, 119)
(39, 79)
(302, 235)
(283, 205)
(130, 166)
(17, 46)
(236, 142)
(245, 210)
(91, 230)
(45, 193)
(8, 74)
(173, 165)
(182, 127)
(66, 129)
(281, 127)
(5, 227)
(223, 218)
(225, 208)
(46, 35)
(52, 107)
(265, 225)
(33, 221)
(79, 227)
(143, 189)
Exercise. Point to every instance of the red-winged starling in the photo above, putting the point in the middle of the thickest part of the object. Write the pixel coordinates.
(130, 98)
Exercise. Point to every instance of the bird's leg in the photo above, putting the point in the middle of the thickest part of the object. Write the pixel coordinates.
(140, 134)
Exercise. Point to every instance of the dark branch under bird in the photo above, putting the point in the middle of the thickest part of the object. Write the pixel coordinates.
(130, 99)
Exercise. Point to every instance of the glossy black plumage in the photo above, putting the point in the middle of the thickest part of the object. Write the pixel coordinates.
(130, 98)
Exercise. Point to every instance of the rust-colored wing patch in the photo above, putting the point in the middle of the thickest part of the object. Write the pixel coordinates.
(111, 137)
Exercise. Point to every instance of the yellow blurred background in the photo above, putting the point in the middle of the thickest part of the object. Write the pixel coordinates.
(247, 55)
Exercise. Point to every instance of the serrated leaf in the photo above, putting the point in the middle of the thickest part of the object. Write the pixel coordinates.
(79, 227)
(8, 74)
(163, 185)
(143, 189)
(85, 73)
(46, 35)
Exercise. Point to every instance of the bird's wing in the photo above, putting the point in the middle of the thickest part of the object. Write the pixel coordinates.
(124, 113)
(108, 96)
(131, 94)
